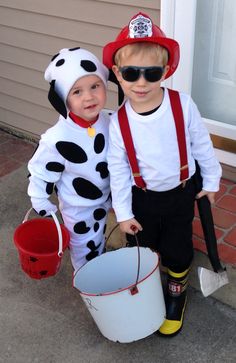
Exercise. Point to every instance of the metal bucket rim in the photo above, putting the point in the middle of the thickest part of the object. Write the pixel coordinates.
(125, 288)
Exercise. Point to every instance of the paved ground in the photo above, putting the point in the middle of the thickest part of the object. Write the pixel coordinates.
(46, 321)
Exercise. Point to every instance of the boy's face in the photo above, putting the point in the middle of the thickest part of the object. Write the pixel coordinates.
(87, 97)
(143, 95)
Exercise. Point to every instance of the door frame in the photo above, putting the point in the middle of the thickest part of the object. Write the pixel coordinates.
(178, 22)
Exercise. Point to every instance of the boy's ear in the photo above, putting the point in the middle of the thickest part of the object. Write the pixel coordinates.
(112, 77)
(56, 100)
(116, 71)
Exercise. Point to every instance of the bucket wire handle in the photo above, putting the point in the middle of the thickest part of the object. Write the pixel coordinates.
(60, 250)
(134, 289)
(26, 217)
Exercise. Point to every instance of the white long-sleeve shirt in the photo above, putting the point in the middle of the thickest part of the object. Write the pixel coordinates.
(157, 152)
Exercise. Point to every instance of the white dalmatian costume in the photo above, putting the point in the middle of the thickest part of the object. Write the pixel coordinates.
(68, 159)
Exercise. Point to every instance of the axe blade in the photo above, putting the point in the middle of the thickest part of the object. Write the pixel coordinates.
(211, 281)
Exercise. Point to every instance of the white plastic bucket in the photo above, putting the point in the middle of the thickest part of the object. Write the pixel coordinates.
(105, 285)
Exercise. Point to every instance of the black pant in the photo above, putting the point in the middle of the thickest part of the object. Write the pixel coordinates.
(166, 218)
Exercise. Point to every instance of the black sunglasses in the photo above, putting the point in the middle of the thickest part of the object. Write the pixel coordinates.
(132, 74)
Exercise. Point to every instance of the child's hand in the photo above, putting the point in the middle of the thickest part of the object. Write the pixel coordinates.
(210, 195)
(43, 206)
(130, 226)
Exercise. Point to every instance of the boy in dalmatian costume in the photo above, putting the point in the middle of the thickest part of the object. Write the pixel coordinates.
(153, 193)
(72, 154)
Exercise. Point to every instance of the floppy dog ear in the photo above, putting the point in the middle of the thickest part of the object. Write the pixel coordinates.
(56, 100)
(113, 79)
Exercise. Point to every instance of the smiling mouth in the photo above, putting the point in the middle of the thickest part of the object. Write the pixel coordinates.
(141, 93)
(90, 107)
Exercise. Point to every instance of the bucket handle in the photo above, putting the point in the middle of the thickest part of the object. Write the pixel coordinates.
(134, 288)
(60, 248)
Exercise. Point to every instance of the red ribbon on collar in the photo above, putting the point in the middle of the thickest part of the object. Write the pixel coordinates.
(80, 121)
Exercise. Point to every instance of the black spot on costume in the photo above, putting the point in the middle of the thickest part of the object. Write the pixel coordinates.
(86, 189)
(49, 188)
(71, 152)
(54, 166)
(102, 169)
(99, 143)
(81, 228)
(96, 227)
(94, 250)
(88, 66)
(99, 214)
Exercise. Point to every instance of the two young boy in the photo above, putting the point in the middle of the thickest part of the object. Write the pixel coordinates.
(162, 209)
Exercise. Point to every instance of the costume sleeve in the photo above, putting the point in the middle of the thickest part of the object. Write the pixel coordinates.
(120, 173)
(203, 151)
(45, 169)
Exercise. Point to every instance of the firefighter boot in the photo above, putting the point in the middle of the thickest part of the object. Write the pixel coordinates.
(175, 303)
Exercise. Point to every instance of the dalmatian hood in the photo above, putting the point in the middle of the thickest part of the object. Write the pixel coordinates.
(65, 68)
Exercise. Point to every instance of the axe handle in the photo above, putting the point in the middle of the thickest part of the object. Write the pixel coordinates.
(205, 213)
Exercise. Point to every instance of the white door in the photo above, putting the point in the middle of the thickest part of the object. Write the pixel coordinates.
(206, 32)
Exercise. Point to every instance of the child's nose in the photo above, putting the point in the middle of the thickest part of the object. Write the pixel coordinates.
(88, 95)
(141, 79)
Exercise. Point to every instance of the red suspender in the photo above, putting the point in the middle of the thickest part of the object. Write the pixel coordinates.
(128, 141)
(179, 125)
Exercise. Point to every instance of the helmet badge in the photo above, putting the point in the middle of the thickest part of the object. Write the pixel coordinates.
(140, 27)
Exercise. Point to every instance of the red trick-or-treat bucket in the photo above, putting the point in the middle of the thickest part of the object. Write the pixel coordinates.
(41, 243)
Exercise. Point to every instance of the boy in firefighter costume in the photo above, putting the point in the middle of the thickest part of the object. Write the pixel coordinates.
(156, 197)
(71, 155)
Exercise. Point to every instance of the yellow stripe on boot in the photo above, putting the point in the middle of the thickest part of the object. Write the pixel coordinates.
(178, 275)
(172, 327)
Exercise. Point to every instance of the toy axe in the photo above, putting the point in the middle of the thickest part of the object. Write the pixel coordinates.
(210, 281)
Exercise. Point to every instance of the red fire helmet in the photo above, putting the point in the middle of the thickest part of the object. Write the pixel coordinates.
(142, 29)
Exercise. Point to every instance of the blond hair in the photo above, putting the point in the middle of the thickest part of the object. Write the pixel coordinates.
(140, 48)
